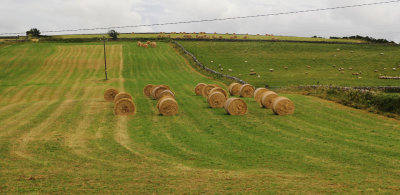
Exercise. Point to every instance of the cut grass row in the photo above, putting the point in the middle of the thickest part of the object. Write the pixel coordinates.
(64, 138)
(307, 63)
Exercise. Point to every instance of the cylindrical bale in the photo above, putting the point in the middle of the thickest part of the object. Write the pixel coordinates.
(247, 90)
(110, 94)
(124, 107)
(258, 94)
(168, 93)
(207, 89)
(234, 89)
(220, 90)
(168, 106)
(147, 90)
(216, 99)
(282, 106)
(267, 97)
(235, 106)
(155, 93)
(122, 95)
(199, 89)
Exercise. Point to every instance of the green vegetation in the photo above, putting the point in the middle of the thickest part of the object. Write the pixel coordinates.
(307, 63)
(374, 101)
(57, 134)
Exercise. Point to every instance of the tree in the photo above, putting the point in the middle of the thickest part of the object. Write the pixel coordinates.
(113, 34)
(34, 32)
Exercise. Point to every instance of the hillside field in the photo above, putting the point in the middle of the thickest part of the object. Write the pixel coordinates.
(58, 135)
(307, 63)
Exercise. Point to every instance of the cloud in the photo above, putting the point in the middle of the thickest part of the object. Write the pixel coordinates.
(378, 21)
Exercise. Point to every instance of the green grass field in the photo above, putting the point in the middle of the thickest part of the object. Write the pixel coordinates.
(58, 135)
(224, 36)
(307, 63)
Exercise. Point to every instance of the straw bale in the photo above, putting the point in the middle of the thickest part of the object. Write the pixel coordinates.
(282, 106)
(199, 89)
(122, 95)
(206, 89)
(220, 90)
(110, 94)
(124, 107)
(234, 89)
(258, 94)
(235, 106)
(216, 99)
(267, 98)
(247, 90)
(168, 106)
(147, 89)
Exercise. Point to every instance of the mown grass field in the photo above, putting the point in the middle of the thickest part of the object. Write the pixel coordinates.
(307, 63)
(58, 135)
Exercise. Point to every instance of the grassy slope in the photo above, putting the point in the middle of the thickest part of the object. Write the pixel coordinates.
(297, 57)
(60, 136)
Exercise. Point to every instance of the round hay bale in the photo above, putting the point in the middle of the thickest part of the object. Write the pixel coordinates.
(121, 96)
(234, 89)
(124, 107)
(247, 90)
(155, 93)
(147, 90)
(282, 106)
(235, 106)
(216, 99)
(258, 94)
(110, 94)
(207, 89)
(168, 106)
(220, 90)
(168, 93)
(267, 97)
(159, 100)
(199, 89)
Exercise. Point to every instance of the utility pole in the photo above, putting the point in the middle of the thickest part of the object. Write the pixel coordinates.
(105, 58)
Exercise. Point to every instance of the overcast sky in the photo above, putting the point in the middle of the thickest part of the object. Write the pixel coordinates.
(379, 21)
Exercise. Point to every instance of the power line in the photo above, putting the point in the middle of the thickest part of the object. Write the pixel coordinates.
(215, 19)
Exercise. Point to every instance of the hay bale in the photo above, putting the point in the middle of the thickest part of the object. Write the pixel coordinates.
(267, 98)
(282, 106)
(247, 90)
(147, 90)
(234, 89)
(155, 93)
(220, 90)
(124, 107)
(216, 99)
(168, 106)
(235, 106)
(122, 95)
(258, 94)
(110, 94)
(207, 89)
(168, 93)
(199, 89)
(159, 100)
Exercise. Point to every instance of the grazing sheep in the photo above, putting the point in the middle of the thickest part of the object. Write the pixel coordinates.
(271, 70)
(230, 70)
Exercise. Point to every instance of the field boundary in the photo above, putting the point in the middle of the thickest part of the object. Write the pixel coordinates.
(198, 63)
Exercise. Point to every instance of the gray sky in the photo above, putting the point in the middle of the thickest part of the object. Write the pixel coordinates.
(379, 21)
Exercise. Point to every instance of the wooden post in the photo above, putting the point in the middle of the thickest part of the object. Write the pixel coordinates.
(105, 58)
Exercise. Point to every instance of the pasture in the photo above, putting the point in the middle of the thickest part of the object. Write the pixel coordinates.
(296, 64)
(58, 135)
